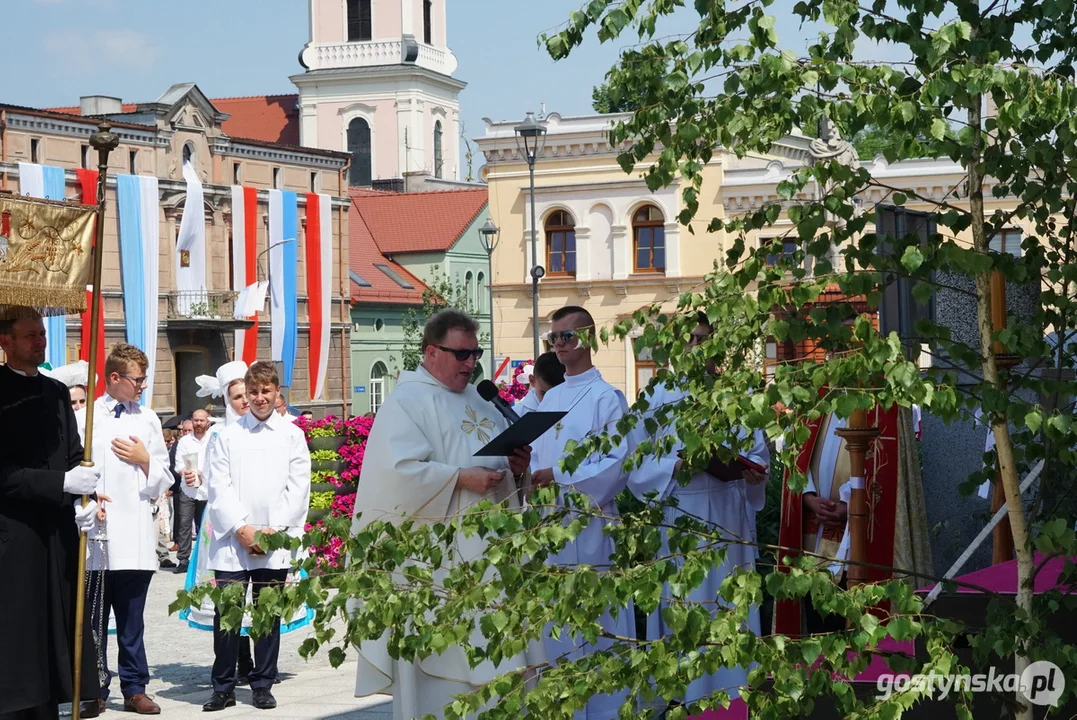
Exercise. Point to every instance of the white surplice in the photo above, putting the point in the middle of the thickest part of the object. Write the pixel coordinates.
(830, 447)
(258, 474)
(728, 505)
(423, 436)
(131, 527)
(529, 403)
(593, 406)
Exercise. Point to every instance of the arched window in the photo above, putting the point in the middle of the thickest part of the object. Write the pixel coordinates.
(359, 25)
(649, 239)
(437, 149)
(482, 305)
(359, 174)
(469, 289)
(428, 26)
(377, 386)
(560, 244)
(188, 153)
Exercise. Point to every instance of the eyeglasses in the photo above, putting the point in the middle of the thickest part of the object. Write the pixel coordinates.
(138, 381)
(565, 336)
(462, 355)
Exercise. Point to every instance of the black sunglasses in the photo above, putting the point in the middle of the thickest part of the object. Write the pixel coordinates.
(462, 355)
(565, 336)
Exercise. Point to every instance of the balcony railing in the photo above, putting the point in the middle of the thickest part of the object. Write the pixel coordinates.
(203, 308)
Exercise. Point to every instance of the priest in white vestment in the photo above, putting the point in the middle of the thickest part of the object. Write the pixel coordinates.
(593, 406)
(420, 465)
(726, 496)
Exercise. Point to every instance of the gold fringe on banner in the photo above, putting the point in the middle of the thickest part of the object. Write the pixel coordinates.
(45, 249)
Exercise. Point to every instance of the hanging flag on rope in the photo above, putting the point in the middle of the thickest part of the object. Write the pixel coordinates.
(319, 287)
(244, 269)
(283, 268)
(47, 182)
(137, 201)
(88, 182)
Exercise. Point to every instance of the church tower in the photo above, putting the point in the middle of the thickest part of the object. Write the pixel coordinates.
(379, 85)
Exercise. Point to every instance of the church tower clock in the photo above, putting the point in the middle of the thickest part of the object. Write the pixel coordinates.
(378, 84)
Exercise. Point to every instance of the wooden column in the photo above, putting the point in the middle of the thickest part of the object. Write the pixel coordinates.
(858, 437)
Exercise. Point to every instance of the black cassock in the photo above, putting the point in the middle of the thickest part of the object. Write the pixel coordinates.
(39, 442)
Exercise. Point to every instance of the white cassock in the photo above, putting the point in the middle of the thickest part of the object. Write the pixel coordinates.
(729, 505)
(528, 403)
(593, 405)
(424, 434)
(131, 527)
(258, 474)
(833, 467)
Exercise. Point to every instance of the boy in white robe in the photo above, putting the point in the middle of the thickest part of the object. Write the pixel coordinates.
(129, 440)
(726, 496)
(593, 405)
(258, 473)
(420, 466)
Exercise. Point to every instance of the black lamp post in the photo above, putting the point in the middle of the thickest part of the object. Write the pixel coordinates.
(489, 234)
(530, 141)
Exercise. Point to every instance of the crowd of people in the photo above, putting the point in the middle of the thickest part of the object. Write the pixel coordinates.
(210, 490)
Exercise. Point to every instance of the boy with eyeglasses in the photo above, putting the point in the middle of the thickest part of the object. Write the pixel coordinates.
(593, 406)
(129, 444)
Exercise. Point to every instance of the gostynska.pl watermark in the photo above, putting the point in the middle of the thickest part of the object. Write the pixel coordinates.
(1041, 683)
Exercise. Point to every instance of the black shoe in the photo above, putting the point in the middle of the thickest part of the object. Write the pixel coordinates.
(166, 563)
(220, 701)
(242, 680)
(263, 699)
(181, 569)
(91, 708)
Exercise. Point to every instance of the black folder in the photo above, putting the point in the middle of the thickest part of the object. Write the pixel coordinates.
(529, 429)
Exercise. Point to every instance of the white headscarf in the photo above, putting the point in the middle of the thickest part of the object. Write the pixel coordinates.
(71, 375)
(216, 386)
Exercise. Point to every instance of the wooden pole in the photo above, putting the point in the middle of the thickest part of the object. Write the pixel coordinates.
(1002, 536)
(104, 142)
(858, 437)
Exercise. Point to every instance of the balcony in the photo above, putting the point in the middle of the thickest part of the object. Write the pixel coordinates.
(372, 53)
(204, 310)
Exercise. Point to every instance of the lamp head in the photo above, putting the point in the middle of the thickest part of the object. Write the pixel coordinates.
(489, 235)
(531, 131)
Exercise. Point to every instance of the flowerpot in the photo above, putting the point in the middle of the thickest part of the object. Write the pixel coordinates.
(333, 466)
(327, 443)
(314, 516)
(330, 487)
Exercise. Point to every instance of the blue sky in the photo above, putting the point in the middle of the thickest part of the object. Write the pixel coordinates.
(250, 47)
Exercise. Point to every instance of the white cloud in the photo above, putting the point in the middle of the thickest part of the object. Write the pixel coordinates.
(102, 49)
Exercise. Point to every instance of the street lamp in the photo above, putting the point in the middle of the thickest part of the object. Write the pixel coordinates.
(530, 141)
(489, 234)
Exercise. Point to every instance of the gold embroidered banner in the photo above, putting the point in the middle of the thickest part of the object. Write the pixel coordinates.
(45, 252)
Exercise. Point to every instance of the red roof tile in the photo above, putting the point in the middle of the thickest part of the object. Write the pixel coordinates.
(269, 118)
(418, 222)
(364, 255)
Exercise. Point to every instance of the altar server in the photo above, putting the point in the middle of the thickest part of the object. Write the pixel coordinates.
(725, 495)
(128, 439)
(593, 405)
(258, 473)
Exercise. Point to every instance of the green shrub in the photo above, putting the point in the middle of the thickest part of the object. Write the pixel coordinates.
(321, 500)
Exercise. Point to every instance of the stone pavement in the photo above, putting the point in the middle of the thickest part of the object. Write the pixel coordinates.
(180, 658)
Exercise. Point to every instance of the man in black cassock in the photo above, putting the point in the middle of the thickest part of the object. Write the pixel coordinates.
(40, 482)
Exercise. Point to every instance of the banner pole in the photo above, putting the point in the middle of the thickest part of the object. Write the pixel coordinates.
(104, 141)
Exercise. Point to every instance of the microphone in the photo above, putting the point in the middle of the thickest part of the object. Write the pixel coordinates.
(488, 392)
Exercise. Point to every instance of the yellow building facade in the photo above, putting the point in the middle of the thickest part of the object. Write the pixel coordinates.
(609, 244)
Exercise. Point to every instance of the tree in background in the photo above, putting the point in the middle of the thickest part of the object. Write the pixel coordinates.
(731, 85)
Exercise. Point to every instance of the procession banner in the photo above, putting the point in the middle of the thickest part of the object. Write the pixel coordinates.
(45, 253)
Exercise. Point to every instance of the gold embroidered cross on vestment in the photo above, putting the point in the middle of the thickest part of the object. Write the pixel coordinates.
(474, 425)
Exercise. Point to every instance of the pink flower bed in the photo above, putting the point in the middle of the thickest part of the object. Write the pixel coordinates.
(513, 391)
(356, 430)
